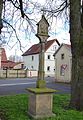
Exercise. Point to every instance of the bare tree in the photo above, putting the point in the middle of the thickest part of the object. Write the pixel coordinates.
(76, 37)
(18, 20)
(1, 8)
(21, 19)
(15, 58)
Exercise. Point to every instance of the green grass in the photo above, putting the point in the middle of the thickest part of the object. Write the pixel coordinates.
(15, 108)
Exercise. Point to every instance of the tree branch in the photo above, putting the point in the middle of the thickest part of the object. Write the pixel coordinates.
(15, 33)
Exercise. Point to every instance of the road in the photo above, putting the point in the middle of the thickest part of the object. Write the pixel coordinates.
(19, 85)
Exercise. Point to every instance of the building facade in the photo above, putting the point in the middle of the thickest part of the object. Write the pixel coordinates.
(31, 57)
(4, 63)
(63, 62)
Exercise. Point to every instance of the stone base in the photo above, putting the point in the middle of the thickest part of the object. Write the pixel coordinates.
(41, 116)
(40, 103)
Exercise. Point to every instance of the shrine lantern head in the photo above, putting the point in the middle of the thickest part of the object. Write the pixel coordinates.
(42, 29)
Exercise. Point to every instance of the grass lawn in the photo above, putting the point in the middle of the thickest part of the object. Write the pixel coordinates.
(15, 108)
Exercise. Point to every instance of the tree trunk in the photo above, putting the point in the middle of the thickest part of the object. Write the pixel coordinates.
(81, 68)
(1, 8)
(76, 36)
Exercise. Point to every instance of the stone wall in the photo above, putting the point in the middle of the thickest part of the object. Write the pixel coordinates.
(17, 73)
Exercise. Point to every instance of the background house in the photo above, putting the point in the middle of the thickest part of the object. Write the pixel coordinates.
(31, 57)
(7, 64)
(19, 65)
(63, 61)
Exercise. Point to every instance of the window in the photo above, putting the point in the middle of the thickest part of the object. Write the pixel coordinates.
(31, 67)
(54, 47)
(62, 56)
(48, 68)
(48, 56)
(62, 71)
(54, 68)
(32, 58)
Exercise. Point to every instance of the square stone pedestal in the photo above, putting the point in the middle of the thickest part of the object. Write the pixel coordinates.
(40, 102)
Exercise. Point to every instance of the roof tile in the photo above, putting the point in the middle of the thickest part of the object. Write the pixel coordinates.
(4, 62)
(35, 49)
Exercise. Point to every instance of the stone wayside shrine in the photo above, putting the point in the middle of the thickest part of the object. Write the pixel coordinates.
(41, 98)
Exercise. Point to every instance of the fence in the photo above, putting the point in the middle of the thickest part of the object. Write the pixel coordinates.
(17, 73)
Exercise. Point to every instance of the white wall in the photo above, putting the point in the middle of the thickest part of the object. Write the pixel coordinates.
(48, 62)
(29, 63)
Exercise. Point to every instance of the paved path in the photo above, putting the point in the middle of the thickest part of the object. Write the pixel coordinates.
(19, 85)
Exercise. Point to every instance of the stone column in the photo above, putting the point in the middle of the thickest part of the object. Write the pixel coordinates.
(40, 98)
(41, 72)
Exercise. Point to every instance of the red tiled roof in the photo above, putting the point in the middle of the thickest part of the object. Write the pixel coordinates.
(35, 49)
(68, 46)
(7, 64)
(4, 62)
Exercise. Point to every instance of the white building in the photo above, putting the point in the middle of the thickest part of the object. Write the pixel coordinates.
(63, 62)
(31, 57)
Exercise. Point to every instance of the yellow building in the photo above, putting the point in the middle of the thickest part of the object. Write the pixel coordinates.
(63, 61)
